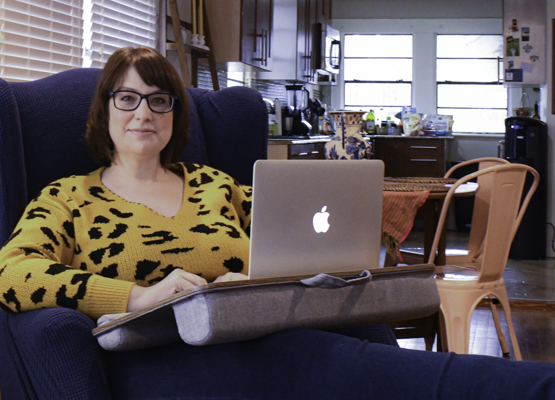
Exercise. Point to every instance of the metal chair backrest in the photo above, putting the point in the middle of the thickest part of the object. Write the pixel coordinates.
(504, 217)
(480, 212)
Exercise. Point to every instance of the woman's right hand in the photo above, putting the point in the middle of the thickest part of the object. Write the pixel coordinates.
(177, 281)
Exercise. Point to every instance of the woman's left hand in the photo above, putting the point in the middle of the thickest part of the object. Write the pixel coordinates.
(231, 276)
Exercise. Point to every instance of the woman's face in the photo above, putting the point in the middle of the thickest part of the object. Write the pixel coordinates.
(139, 133)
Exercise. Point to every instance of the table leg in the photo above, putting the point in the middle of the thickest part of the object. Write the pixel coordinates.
(390, 260)
(432, 210)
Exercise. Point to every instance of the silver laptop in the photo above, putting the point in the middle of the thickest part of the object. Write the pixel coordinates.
(313, 216)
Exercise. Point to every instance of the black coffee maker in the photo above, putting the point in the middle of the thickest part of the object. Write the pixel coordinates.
(301, 113)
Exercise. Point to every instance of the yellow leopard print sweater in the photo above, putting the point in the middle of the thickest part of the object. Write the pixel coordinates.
(78, 245)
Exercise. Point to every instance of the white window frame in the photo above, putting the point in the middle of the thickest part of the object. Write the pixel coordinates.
(498, 81)
(376, 106)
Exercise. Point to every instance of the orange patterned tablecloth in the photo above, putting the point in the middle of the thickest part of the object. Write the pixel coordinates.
(399, 210)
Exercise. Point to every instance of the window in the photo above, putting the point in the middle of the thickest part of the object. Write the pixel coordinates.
(378, 73)
(43, 37)
(40, 38)
(111, 24)
(470, 82)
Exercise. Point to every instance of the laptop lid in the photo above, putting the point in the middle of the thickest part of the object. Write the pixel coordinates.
(312, 216)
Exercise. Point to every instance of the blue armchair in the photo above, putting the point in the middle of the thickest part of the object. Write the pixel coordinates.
(51, 353)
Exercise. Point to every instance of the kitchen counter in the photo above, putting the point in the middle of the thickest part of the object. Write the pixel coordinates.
(283, 140)
(325, 138)
(402, 155)
(408, 137)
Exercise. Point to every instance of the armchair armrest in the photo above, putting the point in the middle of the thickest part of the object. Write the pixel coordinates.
(50, 354)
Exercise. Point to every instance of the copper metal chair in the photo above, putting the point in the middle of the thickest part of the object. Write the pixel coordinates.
(479, 214)
(463, 286)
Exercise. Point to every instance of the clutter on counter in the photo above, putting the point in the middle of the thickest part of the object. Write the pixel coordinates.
(305, 117)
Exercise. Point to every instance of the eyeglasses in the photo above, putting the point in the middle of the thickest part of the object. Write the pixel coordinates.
(127, 100)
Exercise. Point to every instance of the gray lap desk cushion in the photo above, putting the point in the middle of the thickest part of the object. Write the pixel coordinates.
(235, 311)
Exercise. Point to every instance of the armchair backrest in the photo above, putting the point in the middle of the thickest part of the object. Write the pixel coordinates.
(42, 125)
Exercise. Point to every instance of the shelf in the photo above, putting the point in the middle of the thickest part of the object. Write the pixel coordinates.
(186, 25)
(190, 48)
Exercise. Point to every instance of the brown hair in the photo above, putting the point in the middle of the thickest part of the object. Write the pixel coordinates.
(154, 70)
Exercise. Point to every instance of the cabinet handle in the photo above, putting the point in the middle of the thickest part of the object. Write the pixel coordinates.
(423, 159)
(265, 42)
(262, 57)
(308, 153)
(271, 28)
(423, 147)
(307, 64)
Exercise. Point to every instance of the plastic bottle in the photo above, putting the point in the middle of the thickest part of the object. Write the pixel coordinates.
(370, 126)
(390, 129)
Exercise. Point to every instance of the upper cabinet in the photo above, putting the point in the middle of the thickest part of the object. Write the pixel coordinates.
(242, 32)
(295, 35)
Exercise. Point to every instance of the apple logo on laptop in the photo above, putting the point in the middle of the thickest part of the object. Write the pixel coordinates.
(320, 221)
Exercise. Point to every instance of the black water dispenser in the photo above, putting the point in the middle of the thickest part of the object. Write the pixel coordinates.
(526, 143)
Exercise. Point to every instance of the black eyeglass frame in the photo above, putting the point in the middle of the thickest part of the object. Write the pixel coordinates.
(173, 98)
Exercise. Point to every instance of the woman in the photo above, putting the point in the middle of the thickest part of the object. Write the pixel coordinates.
(140, 229)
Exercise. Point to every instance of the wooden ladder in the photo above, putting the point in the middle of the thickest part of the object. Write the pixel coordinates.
(196, 52)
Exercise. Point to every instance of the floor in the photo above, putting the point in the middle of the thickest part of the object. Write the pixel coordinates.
(531, 290)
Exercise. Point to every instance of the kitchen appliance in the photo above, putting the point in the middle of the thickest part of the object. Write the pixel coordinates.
(526, 143)
(275, 121)
(293, 115)
(327, 47)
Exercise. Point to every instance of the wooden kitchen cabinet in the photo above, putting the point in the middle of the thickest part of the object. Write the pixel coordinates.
(295, 27)
(242, 32)
(287, 150)
(305, 34)
(309, 14)
(402, 156)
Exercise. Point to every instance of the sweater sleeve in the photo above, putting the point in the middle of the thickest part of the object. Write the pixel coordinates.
(35, 264)
(242, 202)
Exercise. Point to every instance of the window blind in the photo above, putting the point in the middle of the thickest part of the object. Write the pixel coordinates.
(121, 23)
(40, 38)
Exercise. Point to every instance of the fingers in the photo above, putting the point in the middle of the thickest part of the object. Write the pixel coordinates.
(195, 280)
(231, 276)
(176, 282)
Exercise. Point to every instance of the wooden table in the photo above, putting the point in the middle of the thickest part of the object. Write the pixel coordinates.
(432, 210)
(427, 327)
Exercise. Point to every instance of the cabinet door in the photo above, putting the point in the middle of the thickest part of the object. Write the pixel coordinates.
(312, 31)
(263, 43)
(306, 24)
(391, 152)
(324, 12)
(248, 29)
(302, 56)
(425, 158)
